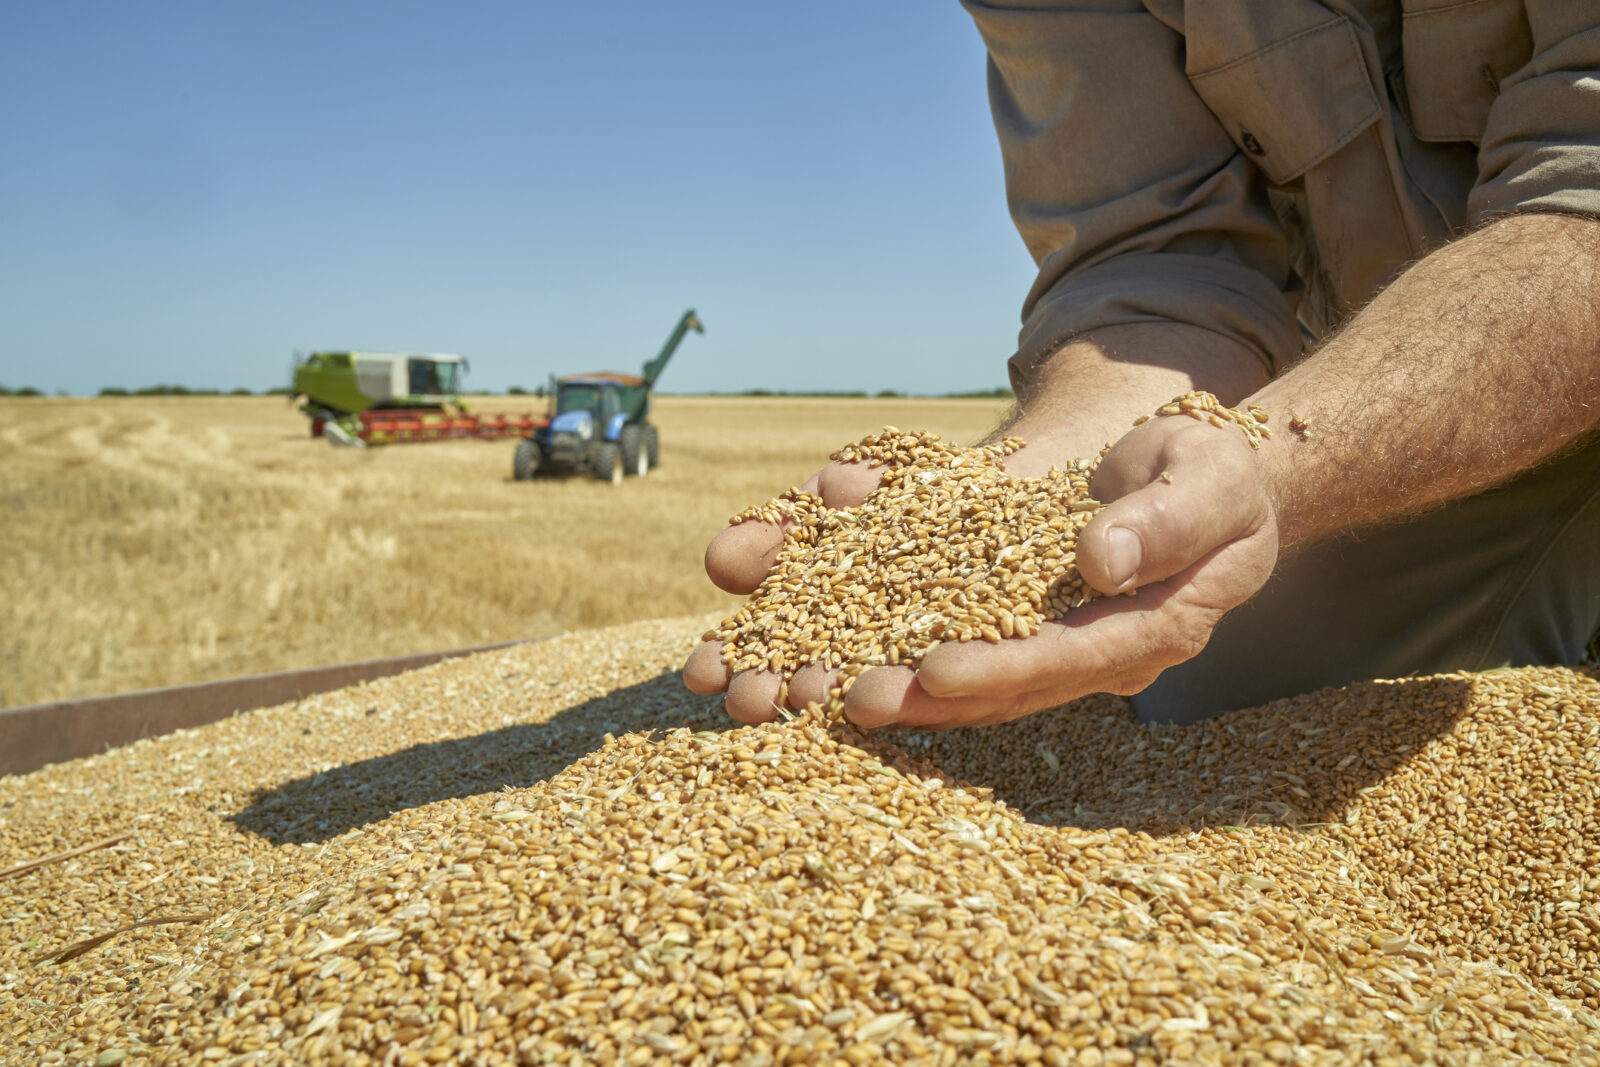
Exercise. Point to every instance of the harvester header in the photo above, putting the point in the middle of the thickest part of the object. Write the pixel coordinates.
(361, 398)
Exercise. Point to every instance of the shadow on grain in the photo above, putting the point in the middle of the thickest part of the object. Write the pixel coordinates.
(323, 806)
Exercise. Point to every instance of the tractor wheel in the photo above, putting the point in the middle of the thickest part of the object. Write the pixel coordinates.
(652, 446)
(527, 460)
(608, 462)
(634, 460)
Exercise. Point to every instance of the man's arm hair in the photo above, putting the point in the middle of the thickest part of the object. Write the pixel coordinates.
(1477, 363)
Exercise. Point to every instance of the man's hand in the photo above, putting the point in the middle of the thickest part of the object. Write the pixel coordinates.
(1190, 533)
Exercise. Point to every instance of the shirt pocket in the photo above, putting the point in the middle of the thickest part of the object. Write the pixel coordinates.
(1295, 102)
(1455, 53)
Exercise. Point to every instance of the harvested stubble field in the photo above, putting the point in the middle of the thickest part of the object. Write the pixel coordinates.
(555, 854)
(154, 541)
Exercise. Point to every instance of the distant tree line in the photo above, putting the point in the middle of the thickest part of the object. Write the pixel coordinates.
(173, 390)
(149, 390)
(999, 392)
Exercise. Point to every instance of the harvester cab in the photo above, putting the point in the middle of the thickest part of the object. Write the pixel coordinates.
(601, 422)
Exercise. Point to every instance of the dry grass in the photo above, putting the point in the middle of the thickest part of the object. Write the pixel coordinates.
(166, 540)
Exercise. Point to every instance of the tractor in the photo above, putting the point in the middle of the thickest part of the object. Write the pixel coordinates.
(601, 422)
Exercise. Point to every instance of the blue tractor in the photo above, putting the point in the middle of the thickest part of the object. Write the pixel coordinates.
(601, 422)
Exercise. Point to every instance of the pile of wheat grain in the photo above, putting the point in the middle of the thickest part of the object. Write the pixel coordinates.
(1393, 872)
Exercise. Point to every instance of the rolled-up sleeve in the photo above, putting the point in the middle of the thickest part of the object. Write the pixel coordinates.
(1129, 194)
(1541, 147)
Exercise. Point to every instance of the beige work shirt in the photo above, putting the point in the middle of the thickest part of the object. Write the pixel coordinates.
(1243, 164)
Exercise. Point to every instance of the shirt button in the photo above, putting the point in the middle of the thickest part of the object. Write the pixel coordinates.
(1251, 145)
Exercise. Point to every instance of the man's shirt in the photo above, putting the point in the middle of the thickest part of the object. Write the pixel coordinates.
(1261, 168)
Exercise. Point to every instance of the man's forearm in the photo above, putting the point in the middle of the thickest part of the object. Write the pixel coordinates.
(1477, 363)
(1090, 392)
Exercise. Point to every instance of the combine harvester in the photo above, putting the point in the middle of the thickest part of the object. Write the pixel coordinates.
(374, 398)
(601, 422)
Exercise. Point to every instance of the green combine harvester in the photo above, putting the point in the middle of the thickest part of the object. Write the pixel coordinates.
(601, 423)
(375, 398)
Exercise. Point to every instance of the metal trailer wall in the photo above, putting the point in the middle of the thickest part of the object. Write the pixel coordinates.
(37, 734)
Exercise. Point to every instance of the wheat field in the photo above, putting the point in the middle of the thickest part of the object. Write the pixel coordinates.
(156, 541)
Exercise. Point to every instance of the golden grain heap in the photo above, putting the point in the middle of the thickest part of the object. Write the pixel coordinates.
(949, 547)
(1380, 874)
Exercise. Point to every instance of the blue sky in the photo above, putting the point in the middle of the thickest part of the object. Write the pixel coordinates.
(193, 191)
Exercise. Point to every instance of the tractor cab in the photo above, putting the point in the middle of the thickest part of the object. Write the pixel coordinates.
(597, 396)
(594, 405)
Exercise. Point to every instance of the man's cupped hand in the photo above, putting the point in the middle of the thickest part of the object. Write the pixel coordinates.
(1189, 531)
